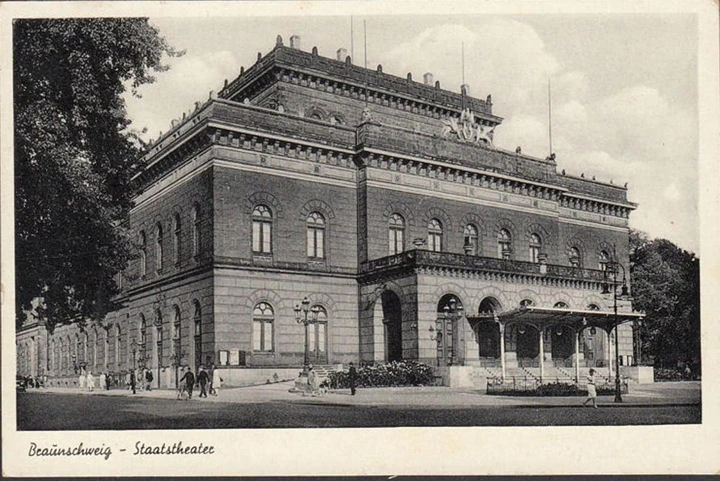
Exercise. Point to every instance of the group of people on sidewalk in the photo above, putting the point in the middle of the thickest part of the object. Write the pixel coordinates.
(317, 387)
(87, 381)
(208, 382)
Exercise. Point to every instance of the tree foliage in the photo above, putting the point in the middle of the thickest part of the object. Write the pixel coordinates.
(74, 158)
(666, 285)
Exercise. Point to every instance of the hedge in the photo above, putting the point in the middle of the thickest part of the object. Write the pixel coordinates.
(395, 373)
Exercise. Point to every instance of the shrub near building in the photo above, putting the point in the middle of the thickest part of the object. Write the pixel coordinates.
(396, 373)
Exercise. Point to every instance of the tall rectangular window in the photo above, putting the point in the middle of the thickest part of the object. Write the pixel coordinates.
(262, 230)
(316, 236)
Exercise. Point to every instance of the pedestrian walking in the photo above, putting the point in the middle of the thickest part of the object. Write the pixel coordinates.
(203, 380)
(108, 381)
(592, 393)
(81, 379)
(216, 381)
(90, 381)
(148, 379)
(352, 378)
(132, 381)
(189, 379)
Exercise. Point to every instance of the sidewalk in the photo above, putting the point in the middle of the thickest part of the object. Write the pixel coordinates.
(658, 394)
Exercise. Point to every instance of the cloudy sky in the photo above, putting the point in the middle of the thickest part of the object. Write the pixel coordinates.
(624, 87)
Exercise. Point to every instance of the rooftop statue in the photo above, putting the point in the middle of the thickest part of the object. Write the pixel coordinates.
(466, 129)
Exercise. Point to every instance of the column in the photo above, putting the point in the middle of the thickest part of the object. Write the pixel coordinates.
(577, 356)
(502, 350)
(541, 337)
(609, 353)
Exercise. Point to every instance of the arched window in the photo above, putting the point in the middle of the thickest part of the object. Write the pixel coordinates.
(435, 233)
(158, 247)
(535, 245)
(317, 337)
(143, 254)
(197, 321)
(263, 318)
(159, 336)
(470, 244)
(560, 305)
(574, 257)
(143, 331)
(593, 307)
(603, 259)
(526, 303)
(262, 230)
(118, 333)
(316, 236)
(176, 337)
(196, 230)
(504, 244)
(396, 231)
(176, 238)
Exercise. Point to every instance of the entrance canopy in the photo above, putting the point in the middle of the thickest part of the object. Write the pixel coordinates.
(553, 315)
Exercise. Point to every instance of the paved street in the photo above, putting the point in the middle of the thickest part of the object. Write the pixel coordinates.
(274, 406)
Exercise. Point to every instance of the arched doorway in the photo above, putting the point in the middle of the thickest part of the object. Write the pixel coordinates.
(449, 313)
(392, 320)
(562, 345)
(487, 332)
(528, 345)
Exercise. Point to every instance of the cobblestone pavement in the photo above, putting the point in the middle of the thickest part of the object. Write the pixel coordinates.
(667, 393)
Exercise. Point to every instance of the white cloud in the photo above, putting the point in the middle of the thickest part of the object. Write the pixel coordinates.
(628, 132)
(189, 80)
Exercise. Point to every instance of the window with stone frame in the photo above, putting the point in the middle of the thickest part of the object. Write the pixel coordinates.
(143, 254)
(196, 230)
(176, 238)
(262, 230)
(396, 234)
(176, 336)
(574, 257)
(316, 236)
(263, 320)
(535, 246)
(470, 240)
(435, 235)
(158, 247)
(603, 259)
(504, 243)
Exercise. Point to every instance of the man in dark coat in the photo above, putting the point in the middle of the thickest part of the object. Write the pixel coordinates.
(189, 379)
(132, 380)
(352, 377)
(148, 379)
(203, 379)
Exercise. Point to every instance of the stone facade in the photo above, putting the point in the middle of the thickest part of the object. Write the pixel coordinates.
(284, 186)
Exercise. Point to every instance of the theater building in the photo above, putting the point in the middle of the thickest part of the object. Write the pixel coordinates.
(381, 200)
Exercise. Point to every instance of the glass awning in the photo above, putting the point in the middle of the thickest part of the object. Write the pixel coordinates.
(554, 315)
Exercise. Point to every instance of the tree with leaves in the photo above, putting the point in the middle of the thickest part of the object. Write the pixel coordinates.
(74, 157)
(666, 285)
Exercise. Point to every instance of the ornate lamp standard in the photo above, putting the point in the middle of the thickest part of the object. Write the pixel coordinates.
(613, 267)
(301, 316)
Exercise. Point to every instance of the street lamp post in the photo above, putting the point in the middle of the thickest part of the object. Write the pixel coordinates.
(613, 267)
(301, 316)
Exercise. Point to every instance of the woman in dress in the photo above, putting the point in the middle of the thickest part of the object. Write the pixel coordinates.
(90, 381)
(216, 381)
(592, 393)
(81, 379)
